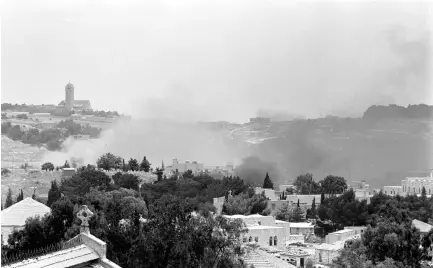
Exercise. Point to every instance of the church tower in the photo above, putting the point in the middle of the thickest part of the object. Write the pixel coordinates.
(69, 98)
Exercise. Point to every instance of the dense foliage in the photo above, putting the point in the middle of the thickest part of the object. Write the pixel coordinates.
(330, 185)
(171, 234)
(52, 138)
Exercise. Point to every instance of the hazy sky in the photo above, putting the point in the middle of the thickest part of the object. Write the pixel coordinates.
(218, 60)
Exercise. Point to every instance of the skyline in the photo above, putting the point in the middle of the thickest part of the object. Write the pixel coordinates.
(218, 60)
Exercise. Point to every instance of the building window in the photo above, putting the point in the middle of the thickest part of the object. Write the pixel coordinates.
(273, 206)
(250, 239)
(244, 239)
(256, 239)
(275, 240)
(429, 191)
(320, 257)
(260, 223)
(270, 241)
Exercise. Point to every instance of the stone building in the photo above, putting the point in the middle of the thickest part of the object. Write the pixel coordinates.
(262, 230)
(414, 185)
(393, 190)
(68, 105)
(14, 217)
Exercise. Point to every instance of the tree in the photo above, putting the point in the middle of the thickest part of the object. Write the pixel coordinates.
(158, 172)
(54, 193)
(5, 171)
(34, 194)
(427, 244)
(309, 263)
(145, 165)
(48, 166)
(322, 198)
(284, 213)
(133, 165)
(268, 184)
(297, 215)
(400, 242)
(298, 203)
(333, 184)
(313, 209)
(423, 193)
(20, 196)
(128, 181)
(83, 180)
(306, 185)
(174, 238)
(9, 202)
(109, 161)
(125, 167)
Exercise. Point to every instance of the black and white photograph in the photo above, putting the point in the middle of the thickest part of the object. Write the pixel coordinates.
(216, 133)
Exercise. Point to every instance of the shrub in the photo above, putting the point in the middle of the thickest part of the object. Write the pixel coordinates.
(5, 171)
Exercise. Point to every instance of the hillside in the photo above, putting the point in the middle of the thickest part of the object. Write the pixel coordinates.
(382, 147)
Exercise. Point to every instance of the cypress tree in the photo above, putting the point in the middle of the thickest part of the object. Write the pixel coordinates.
(298, 202)
(54, 193)
(268, 184)
(322, 198)
(423, 193)
(20, 196)
(313, 207)
(34, 194)
(9, 201)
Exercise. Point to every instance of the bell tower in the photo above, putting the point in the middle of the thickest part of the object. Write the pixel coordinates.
(69, 97)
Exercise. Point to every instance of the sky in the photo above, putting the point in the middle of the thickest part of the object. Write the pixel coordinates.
(218, 60)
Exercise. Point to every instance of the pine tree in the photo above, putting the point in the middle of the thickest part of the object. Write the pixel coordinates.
(54, 193)
(268, 184)
(9, 201)
(322, 198)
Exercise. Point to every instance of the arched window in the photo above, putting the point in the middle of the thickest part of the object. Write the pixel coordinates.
(270, 241)
(256, 239)
(275, 240)
(250, 239)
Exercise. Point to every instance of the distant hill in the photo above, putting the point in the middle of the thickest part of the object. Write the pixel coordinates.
(386, 144)
(421, 111)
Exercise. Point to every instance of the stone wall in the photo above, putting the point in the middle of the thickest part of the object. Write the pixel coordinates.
(324, 256)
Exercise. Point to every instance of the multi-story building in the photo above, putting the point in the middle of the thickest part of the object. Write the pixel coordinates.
(414, 185)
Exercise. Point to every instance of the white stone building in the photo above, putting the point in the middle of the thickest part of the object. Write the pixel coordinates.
(414, 185)
(393, 190)
(14, 217)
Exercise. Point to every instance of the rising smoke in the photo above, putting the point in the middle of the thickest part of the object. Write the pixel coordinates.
(158, 140)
